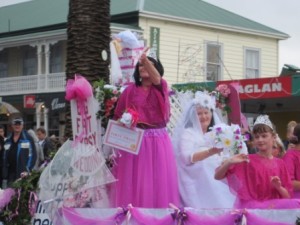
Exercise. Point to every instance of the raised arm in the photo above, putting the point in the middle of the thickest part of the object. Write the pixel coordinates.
(154, 75)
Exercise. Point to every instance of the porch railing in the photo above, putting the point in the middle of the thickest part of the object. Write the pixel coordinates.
(43, 83)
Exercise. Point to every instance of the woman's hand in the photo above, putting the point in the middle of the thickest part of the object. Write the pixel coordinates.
(143, 56)
(215, 150)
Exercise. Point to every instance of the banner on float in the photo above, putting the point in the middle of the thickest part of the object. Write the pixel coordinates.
(121, 137)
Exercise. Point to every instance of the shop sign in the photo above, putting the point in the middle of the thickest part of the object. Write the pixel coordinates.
(275, 87)
(29, 101)
(57, 105)
(154, 40)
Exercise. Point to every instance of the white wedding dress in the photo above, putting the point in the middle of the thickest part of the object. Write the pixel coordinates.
(197, 186)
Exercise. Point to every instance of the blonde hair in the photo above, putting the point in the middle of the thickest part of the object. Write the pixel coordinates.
(291, 125)
(279, 144)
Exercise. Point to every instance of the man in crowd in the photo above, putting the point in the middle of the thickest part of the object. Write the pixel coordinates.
(45, 142)
(19, 152)
(2, 131)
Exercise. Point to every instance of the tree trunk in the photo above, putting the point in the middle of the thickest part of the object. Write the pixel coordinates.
(88, 53)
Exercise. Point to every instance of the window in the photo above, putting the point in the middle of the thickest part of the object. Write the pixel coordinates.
(213, 61)
(29, 60)
(3, 63)
(56, 58)
(252, 63)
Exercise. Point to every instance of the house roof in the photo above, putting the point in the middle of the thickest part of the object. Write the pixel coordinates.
(38, 14)
(194, 11)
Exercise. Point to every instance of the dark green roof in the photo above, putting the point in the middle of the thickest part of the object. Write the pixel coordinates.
(196, 10)
(37, 14)
(33, 14)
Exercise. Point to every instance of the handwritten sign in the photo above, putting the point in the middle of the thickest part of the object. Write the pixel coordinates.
(87, 158)
(123, 138)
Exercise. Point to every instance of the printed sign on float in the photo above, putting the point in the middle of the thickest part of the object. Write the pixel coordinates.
(123, 138)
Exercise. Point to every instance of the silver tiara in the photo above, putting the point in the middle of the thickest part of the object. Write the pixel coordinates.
(152, 53)
(263, 119)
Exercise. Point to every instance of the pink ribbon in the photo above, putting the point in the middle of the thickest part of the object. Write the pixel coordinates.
(80, 90)
(32, 203)
(241, 218)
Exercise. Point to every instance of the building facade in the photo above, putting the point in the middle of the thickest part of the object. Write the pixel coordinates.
(196, 42)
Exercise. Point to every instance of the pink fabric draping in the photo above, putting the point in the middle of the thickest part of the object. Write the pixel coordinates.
(183, 216)
(234, 103)
(76, 218)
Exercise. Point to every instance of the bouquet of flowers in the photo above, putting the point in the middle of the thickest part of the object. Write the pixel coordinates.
(228, 137)
(130, 118)
(222, 93)
(107, 96)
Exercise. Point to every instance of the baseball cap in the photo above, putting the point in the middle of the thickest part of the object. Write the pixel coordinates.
(17, 121)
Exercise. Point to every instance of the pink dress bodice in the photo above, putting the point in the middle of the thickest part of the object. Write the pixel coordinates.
(251, 181)
(152, 104)
(292, 162)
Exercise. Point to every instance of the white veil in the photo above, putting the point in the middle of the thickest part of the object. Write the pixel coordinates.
(189, 118)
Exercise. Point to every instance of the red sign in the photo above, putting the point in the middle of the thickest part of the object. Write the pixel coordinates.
(29, 101)
(274, 87)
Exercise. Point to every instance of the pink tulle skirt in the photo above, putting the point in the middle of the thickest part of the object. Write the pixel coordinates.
(148, 179)
(283, 203)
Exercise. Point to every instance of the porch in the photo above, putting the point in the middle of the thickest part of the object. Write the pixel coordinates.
(33, 84)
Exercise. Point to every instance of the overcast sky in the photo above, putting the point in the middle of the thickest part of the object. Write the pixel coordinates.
(282, 15)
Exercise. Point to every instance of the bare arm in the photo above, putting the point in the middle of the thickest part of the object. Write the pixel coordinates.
(296, 185)
(221, 171)
(149, 67)
(198, 156)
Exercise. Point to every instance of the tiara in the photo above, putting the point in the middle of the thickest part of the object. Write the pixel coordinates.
(152, 53)
(205, 100)
(263, 119)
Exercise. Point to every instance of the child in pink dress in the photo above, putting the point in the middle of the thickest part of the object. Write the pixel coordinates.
(259, 180)
(292, 160)
(148, 179)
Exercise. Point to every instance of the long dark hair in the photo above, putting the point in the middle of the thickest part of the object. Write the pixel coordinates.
(157, 64)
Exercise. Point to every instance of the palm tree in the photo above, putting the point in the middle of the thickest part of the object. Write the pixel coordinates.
(88, 31)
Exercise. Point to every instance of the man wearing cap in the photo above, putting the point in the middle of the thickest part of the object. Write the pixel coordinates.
(19, 152)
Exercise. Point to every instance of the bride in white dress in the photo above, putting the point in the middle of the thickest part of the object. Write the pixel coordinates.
(196, 160)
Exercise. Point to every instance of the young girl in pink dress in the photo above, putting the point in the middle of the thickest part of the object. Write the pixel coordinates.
(148, 179)
(259, 180)
(292, 160)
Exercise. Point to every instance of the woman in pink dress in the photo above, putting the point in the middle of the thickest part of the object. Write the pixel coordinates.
(148, 179)
(259, 180)
(292, 160)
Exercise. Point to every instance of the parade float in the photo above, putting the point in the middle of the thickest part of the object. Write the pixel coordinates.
(71, 189)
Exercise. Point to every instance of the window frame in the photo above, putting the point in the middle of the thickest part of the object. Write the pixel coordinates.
(258, 69)
(221, 59)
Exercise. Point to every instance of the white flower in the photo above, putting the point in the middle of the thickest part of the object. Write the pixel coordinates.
(227, 137)
(108, 86)
(126, 119)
